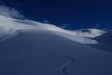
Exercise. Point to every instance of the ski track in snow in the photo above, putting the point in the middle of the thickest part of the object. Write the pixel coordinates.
(66, 65)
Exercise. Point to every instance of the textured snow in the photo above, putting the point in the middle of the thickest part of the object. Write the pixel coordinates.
(9, 28)
(105, 42)
(90, 33)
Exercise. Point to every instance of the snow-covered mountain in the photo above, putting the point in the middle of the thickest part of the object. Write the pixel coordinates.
(10, 27)
(32, 48)
(104, 42)
(90, 33)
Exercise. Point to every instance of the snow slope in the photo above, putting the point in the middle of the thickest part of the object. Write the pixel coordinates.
(10, 27)
(105, 42)
(31, 48)
(43, 53)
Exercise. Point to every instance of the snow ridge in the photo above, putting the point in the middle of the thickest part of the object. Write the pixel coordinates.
(9, 28)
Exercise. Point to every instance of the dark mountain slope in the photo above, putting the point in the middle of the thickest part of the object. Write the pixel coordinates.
(41, 52)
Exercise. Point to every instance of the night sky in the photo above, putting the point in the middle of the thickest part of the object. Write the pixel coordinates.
(73, 14)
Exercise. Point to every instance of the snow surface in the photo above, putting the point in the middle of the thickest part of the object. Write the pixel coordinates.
(29, 47)
(105, 42)
(40, 52)
(9, 28)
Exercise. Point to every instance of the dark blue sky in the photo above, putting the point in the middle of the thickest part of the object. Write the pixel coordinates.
(73, 13)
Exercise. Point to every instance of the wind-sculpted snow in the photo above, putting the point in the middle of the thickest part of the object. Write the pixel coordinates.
(10, 26)
(105, 42)
(90, 33)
